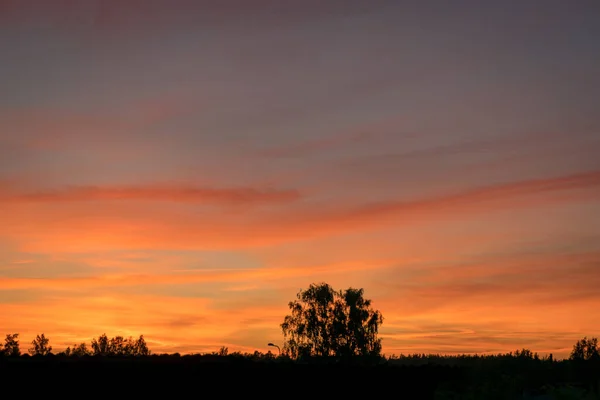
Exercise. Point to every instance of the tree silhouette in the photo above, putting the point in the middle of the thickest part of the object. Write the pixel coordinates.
(139, 347)
(325, 322)
(11, 345)
(119, 346)
(586, 349)
(526, 354)
(40, 346)
(101, 346)
(78, 350)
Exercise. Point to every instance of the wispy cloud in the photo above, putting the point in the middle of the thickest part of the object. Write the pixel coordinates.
(124, 218)
(472, 200)
(214, 275)
(171, 193)
(357, 136)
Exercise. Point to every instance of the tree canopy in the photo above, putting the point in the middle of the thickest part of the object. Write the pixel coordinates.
(119, 346)
(40, 346)
(11, 345)
(586, 349)
(326, 322)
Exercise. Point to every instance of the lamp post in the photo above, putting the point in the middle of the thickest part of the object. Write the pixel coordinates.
(274, 345)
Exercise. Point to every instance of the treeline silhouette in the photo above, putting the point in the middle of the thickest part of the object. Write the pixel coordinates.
(330, 349)
(583, 350)
(101, 346)
(519, 374)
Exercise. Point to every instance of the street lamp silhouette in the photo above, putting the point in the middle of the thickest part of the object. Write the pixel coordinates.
(274, 345)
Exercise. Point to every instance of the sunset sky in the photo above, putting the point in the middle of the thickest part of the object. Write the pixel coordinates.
(181, 169)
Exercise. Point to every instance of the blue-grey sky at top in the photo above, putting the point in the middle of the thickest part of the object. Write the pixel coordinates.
(292, 74)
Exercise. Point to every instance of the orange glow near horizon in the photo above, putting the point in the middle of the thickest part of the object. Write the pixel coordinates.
(459, 296)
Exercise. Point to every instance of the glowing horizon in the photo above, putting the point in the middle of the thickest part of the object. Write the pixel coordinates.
(181, 169)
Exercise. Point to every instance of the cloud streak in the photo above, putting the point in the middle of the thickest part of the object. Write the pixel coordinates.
(486, 198)
(207, 276)
(97, 219)
(169, 193)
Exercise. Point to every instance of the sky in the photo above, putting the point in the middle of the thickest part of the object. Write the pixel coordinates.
(181, 169)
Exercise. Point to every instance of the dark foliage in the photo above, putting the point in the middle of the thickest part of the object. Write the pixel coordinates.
(119, 346)
(325, 322)
(11, 345)
(502, 376)
(40, 346)
(586, 349)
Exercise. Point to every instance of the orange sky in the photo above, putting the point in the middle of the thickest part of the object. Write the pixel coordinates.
(180, 170)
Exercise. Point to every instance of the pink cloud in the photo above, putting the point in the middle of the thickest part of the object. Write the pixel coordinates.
(109, 222)
(510, 194)
(207, 276)
(172, 193)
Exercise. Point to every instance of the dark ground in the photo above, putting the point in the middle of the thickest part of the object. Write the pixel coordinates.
(167, 376)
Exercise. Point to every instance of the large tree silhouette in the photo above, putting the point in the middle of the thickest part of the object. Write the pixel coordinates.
(326, 322)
